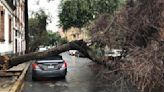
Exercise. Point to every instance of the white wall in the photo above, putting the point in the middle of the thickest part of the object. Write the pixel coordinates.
(6, 47)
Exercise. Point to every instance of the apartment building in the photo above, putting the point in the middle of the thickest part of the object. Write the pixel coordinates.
(19, 27)
(12, 32)
(75, 34)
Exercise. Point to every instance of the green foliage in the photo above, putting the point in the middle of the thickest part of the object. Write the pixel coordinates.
(76, 13)
(37, 24)
(37, 29)
(54, 39)
(63, 41)
(106, 6)
(38, 33)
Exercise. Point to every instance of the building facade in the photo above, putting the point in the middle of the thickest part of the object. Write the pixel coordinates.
(75, 34)
(19, 27)
(12, 33)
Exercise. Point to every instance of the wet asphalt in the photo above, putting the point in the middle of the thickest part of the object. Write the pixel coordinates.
(79, 78)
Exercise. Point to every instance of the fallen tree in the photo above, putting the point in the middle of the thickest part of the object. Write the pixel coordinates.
(7, 62)
(141, 24)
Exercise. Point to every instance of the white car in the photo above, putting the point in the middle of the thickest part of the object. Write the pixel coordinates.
(113, 53)
(73, 52)
(42, 49)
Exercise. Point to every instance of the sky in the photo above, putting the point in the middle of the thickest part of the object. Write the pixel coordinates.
(50, 8)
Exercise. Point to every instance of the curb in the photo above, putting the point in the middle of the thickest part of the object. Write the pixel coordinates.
(18, 85)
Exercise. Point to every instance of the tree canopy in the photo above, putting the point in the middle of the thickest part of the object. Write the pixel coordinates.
(77, 13)
(39, 36)
(54, 39)
(37, 29)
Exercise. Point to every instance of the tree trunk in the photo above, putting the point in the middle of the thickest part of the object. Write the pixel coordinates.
(13, 61)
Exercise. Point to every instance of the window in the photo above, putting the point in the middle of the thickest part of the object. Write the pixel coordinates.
(16, 32)
(14, 2)
(10, 29)
(74, 35)
(16, 46)
(2, 24)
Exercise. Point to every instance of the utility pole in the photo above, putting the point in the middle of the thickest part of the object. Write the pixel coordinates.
(26, 26)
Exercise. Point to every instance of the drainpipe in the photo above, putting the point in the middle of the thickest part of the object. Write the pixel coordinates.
(26, 26)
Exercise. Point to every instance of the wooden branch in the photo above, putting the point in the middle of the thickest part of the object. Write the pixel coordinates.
(13, 61)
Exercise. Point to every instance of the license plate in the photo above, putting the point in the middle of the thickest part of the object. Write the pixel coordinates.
(50, 66)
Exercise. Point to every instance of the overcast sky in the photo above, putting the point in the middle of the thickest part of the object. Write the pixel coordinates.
(50, 8)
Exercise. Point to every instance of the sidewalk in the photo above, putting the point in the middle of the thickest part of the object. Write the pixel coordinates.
(13, 83)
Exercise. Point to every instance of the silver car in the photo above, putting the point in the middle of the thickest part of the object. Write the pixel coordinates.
(48, 67)
(76, 53)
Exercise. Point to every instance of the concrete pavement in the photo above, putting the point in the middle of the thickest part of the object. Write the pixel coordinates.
(15, 82)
